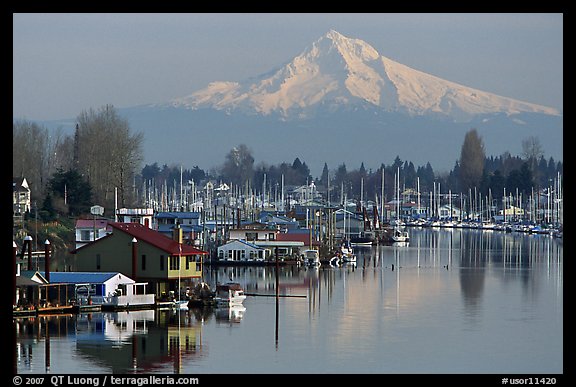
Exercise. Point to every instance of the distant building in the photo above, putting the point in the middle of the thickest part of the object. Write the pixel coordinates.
(189, 222)
(449, 212)
(20, 198)
(142, 216)
(254, 232)
(88, 230)
(241, 251)
(512, 212)
(348, 223)
(283, 222)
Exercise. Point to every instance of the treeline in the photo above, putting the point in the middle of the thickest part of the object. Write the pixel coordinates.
(70, 173)
(473, 171)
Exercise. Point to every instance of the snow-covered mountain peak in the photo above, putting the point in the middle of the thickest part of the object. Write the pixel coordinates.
(349, 48)
(337, 72)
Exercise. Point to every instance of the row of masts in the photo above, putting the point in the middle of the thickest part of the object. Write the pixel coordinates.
(191, 197)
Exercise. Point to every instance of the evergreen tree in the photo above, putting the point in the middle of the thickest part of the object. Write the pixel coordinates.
(324, 177)
(73, 189)
(47, 212)
(472, 158)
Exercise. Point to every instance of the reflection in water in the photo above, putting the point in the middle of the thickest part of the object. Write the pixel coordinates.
(123, 342)
(443, 303)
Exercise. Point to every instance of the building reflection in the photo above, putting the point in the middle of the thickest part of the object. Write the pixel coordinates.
(122, 342)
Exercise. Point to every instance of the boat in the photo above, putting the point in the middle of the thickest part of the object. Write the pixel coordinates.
(364, 238)
(201, 295)
(229, 294)
(400, 235)
(335, 261)
(347, 252)
(180, 304)
(311, 257)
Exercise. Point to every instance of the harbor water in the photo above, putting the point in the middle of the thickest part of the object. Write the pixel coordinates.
(451, 301)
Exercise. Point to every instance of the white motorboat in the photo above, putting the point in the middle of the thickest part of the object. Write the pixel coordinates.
(180, 304)
(229, 294)
(399, 235)
(311, 258)
(347, 252)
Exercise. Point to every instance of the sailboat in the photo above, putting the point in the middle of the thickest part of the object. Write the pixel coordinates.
(399, 234)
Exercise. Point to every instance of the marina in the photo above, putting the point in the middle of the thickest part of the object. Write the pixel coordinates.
(451, 301)
(340, 212)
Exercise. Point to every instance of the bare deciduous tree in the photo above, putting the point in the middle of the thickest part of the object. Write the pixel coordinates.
(108, 154)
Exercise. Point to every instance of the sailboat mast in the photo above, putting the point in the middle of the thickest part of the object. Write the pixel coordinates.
(418, 188)
(382, 196)
(398, 197)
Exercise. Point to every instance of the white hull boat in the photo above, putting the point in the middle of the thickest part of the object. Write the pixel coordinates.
(229, 294)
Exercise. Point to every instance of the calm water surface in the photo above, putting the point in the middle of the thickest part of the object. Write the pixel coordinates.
(456, 301)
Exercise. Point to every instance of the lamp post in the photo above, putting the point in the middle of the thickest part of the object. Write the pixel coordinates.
(47, 260)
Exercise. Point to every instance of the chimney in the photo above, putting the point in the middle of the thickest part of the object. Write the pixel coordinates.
(177, 233)
(134, 257)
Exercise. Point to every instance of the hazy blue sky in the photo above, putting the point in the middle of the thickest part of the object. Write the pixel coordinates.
(66, 63)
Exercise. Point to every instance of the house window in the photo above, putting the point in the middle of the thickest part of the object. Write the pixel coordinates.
(271, 236)
(161, 263)
(174, 262)
(85, 235)
(251, 236)
(143, 262)
(243, 254)
(98, 262)
(188, 258)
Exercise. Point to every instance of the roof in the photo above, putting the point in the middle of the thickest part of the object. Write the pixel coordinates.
(254, 226)
(296, 237)
(25, 281)
(91, 223)
(251, 245)
(79, 277)
(155, 238)
(177, 215)
(186, 228)
(20, 184)
(30, 274)
(276, 219)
